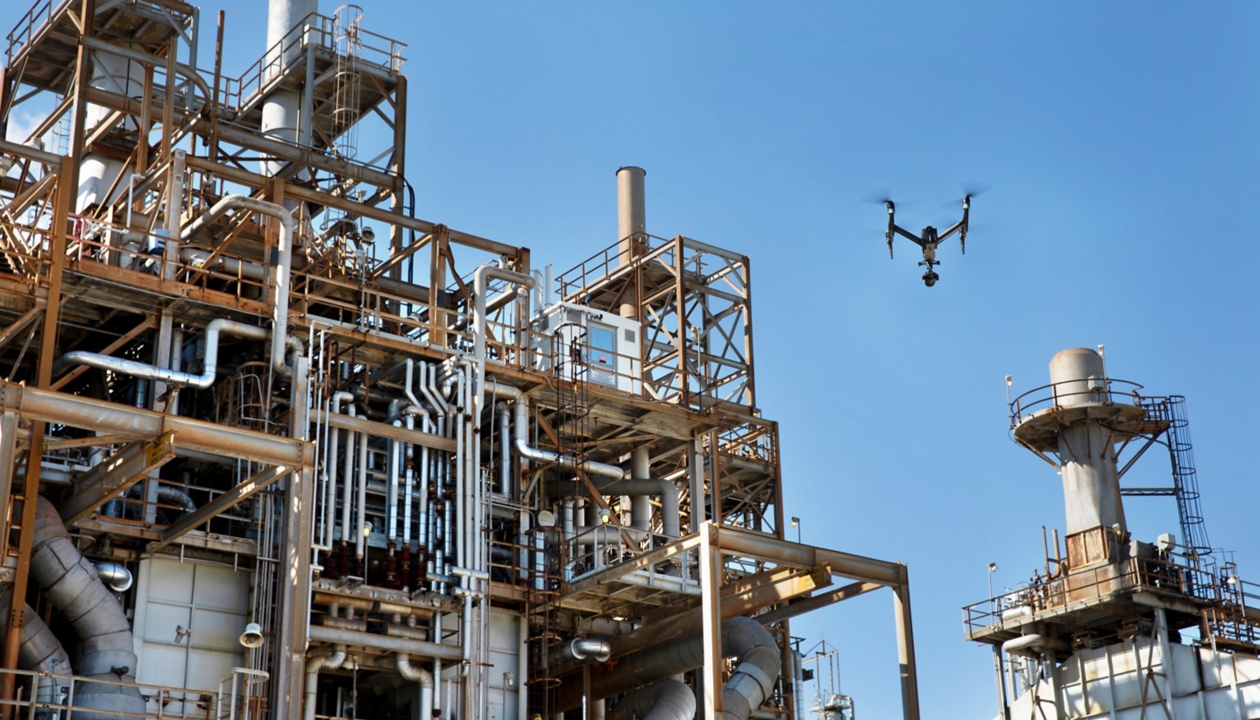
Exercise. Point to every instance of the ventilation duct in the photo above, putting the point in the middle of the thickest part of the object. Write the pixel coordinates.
(742, 638)
(664, 700)
(40, 651)
(72, 586)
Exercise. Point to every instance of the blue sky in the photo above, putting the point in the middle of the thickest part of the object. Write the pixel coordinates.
(1120, 146)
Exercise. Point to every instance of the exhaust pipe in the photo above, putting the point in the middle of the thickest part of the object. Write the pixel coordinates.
(73, 587)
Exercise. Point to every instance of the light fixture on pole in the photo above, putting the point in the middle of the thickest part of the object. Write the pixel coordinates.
(992, 567)
(796, 523)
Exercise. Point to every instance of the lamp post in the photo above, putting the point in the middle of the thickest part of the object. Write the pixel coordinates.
(796, 523)
(992, 566)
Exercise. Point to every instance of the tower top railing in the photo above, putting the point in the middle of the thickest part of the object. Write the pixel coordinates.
(1101, 391)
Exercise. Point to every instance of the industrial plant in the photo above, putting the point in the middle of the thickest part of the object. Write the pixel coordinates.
(1116, 626)
(274, 446)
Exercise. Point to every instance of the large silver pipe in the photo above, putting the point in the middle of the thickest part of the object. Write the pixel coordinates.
(389, 643)
(72, 585)
(41, 651)
(521, 438)
(663, 700)
(314, 665)
(283, 257)
(334, 442)
(590, 648)
(417, 674)
(360, 530)
(177, 377)
(742, 638)
(118, 578)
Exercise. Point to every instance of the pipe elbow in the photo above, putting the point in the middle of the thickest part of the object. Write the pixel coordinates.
(413, 673)
(590, 648)
(116, 577)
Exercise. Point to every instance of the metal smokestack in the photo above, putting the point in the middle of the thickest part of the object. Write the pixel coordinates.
(1091, 481)
(631, 223)
(281, 112)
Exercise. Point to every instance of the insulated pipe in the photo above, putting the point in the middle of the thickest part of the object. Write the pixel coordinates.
(361, 481)
(590, 648)
(117, 577)
(521, 438)
(670, 519)
(334, 441)
(175, 377)
(283, 261)
(314, 665)
(417, 674)
(663, 700)
(1033, 645)
(505, 452)
(742, 638)
(72, 585)
(393, 466)
(640, 505)
(347, 483)
(423, 648)
(40, 651)
(409, 481)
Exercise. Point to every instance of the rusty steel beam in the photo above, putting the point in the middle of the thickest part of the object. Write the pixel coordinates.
(116, 474)
(804, 605)
(250, 486)
(135, 423)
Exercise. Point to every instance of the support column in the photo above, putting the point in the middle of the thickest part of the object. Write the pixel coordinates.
(295, 588)
(905, 649)
(711, 609)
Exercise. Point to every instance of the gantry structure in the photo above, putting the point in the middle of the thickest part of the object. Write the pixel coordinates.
(308, 454)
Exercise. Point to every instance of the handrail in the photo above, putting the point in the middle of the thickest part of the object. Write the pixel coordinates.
(1053, 394)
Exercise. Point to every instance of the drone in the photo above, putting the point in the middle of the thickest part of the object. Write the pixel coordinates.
(929, 239)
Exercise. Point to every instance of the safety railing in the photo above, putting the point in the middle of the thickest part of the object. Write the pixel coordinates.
(573, 282)
(596, 547)
(755, 440)
(31, 700)
(1071, 392)
(26, 27)
(1044, 594)
(314, 30)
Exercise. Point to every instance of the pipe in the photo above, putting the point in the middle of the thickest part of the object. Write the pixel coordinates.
(229, 266)
(423, 648)
(663, 700)
(361, 482)
(40, 651)
(393, 466)
(670, 519)
(521, 440)
(117, 577)
(175, 377)
(71, 584)
(415, 673)
(1033, 645)
(314, 665)
(334, 441)
(283, 258)
(742, 638)
(590, 648)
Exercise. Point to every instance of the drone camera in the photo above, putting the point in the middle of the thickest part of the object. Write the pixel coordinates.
(930, 278)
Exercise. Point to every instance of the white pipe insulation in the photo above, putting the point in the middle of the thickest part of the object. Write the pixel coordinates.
(176, 377)
(417, 674)
(282, 259)
(72, 585)
(314, 665)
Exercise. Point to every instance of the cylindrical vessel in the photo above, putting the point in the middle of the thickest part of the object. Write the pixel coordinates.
(1091, 482)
